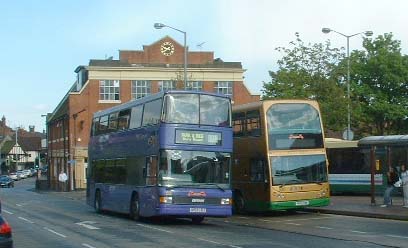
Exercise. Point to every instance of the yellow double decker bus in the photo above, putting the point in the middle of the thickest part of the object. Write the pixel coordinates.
(279, 159)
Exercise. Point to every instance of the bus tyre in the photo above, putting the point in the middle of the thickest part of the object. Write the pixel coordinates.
(134, 208)
(98, 201)
(197, 219)
(239, 203)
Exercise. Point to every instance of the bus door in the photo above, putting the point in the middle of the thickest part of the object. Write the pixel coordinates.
(149, 194)
(258, 188)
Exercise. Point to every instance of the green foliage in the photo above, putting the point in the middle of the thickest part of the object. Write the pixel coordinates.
(380, 73)
(311, 72)
(379, 84)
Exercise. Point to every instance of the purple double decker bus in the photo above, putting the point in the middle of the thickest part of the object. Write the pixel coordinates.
(167, 154)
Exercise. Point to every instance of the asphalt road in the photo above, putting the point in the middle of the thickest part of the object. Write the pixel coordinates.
(52, 219)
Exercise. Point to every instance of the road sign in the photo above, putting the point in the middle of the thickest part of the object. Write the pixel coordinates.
(350, 135)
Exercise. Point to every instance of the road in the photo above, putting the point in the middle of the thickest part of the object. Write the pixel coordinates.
(52, 219)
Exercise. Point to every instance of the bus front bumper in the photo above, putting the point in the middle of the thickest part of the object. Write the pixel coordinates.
(194, 210)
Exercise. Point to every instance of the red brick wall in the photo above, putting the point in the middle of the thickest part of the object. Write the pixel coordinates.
(152, 54)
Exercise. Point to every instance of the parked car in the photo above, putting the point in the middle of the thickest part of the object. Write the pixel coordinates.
(14, 176)
(6, 240)
(27, 173)
(21, 174)
(6, 181)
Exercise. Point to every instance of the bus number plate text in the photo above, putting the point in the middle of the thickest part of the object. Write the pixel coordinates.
(302, 203)
(198, 210)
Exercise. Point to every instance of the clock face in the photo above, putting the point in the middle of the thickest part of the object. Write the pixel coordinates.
(167, 48)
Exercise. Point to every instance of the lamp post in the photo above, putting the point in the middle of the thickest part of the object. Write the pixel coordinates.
(366, 33)
(161, 25)
(39, 153)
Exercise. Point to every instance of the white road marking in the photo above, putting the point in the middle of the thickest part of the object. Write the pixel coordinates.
(240, 217)
(54, 232)
(324, 227)
(397, 236)
(26, 220)
(7, 212)
(89, 246)
(88, 224)
(358, 232)
(154, 228)
(210, 241)
(217, 243)
(293, 224)
(18, 205)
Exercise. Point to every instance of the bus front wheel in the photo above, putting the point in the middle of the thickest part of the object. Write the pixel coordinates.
(135, 208)
(197, 219)
(239, 203)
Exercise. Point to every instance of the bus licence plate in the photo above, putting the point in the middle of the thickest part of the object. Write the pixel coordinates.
(198, 210)
(302, 203)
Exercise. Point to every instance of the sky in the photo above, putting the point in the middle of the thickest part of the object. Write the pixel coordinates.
(43, 42)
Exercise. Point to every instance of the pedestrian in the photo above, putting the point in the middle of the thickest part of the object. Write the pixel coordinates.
(62, 178)
(392, 178)
(404, 178)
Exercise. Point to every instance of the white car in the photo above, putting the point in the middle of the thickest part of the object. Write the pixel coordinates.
(21, 174)
(14, 176)
(27, 173)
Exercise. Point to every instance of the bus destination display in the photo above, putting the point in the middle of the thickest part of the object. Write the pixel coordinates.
(198, 137)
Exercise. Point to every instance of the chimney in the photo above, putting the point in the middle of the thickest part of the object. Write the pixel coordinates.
(31, 128)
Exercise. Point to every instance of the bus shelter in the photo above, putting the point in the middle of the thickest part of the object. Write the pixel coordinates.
(384, 152)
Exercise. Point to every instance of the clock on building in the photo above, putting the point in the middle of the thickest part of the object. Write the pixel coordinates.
(167, 48)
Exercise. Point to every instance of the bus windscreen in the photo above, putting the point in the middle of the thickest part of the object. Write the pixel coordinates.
(198, 168)
(294, 126)
(197, 109)
(303, 169)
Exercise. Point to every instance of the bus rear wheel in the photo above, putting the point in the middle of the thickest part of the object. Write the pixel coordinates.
(197, 219)
(134, 208)
(98, 201)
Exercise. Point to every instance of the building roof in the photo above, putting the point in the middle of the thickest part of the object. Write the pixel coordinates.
(384, 140)
(7, 146)
(30, 143)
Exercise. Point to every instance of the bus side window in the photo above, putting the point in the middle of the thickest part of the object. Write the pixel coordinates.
(253, 123)
(136, 117)
(123, 119)
(151, 170)
(257, 170)
(103, 124)
(238, 123)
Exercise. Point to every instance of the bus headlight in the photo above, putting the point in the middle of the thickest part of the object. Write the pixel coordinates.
(225, 201)
(166, 199)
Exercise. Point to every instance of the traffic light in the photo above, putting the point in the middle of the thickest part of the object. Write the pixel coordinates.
(36, 166)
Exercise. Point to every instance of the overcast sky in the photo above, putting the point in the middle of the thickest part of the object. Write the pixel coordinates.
(42, 42)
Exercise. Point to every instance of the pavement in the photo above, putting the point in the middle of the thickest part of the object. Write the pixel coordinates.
(361, 206)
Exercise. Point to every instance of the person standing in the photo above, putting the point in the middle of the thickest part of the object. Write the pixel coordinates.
(62, 178)
(404, 178)
(392, 178)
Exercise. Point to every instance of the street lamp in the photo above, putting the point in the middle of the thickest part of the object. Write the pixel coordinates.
(160, 26)
(366, 33)
(39, 153)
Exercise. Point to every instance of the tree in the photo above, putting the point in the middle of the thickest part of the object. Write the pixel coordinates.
(311, 72)
(380, 86)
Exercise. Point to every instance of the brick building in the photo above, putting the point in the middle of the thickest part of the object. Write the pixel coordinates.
(106, 83)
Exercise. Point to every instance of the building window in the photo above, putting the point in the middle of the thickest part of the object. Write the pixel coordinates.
(140, 88)
(109, 90)
(167, 85)
(224, 87)
(194, 86)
